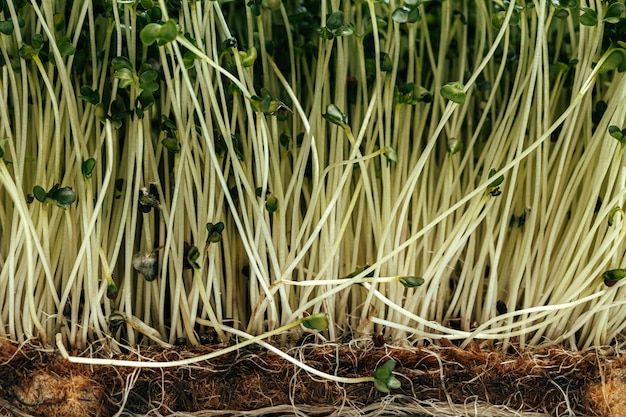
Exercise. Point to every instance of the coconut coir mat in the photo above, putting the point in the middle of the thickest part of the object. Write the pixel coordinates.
(35, 381)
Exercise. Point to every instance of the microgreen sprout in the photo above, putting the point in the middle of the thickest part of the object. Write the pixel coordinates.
(612, 276)
(619, 134)
(317, 322)
(454, 91)
(384, 381)
(159, 33)
(87, 167)
(192, 254)
(335, 116)
(589, 17)
(159, 120)
(60, 196)
(411, 281)
(214, 232)
(613, 12)
(334, 27)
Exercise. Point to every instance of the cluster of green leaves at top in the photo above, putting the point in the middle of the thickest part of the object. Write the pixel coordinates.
(38, 48)
(614, 39)
(335, 27)
(409, 12)
(144, 81)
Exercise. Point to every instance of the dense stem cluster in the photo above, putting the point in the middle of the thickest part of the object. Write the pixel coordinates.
(418, 169)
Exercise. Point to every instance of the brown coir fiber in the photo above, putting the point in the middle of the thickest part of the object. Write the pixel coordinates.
(38, 382)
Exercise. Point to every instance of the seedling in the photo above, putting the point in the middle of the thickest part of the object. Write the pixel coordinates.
(384, 381)
(214, 232)
(613, 276)
(60, 196)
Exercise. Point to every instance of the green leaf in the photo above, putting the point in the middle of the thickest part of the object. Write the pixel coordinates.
(613, 12)
(87, 167)
(148, 77)
(65, 46)
(384, 379)
(271, 203)
(120, 62)
(617, 133)
(335, 116)
(414, 15)
(589, 17)
(150, 33)
(615, 60)
(393, 383)
(335, 20)
(401, 14)
(317, 321)
(89, 95)
(27, 52)
(192, 257)
(171, 144)
(168, 32)
(39, 193)
(126, 77)
(497, 181)
(381, 386)
(63, 197)
(215, 232)
(454, 92)
(497, 20)
(6, 27)
(248, 57)
(411, 281)
(189, 59)
(384, 371)
(167, 124)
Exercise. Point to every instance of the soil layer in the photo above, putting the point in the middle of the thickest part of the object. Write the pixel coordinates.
(39, 382)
